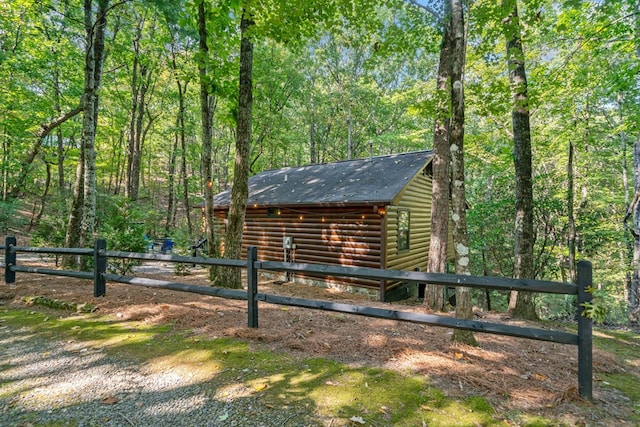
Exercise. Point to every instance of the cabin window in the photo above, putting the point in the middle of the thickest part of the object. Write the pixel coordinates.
(403, 229)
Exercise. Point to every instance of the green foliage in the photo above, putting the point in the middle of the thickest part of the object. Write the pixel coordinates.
(9, 216)
(52, 228)
(597, 308)
(122, 224)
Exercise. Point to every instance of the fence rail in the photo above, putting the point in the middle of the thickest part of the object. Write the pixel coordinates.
(583, 339)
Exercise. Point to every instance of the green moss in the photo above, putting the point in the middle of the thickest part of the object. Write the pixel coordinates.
(59, 305)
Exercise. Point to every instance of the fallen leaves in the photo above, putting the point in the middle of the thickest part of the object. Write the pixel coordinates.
(110, 400)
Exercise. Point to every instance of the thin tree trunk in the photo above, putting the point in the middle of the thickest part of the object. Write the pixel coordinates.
(5, 165)
(240, 188)
(72, 237)
(93, 74)
(456, 147)
(35, 220)
(120, 167)
(185, 180)
(312, 124)
(434, 294)
(633, 286)
(182, 133)
(521, 303)
(169, 223)
(206, 109)
(140, 82)
(60, 162)
(59, 139)
(571, 238)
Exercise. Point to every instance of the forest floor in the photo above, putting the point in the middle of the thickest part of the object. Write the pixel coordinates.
(513, 374)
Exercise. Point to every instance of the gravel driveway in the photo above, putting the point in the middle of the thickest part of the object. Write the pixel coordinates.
(66, 383)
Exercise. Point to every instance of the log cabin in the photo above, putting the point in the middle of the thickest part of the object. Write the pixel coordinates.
(373, 212)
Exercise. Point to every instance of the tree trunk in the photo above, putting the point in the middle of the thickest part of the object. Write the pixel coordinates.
(571, 238)
(633, 286)
(521, 303)
(230, 277)
(140, 83)
(171, 184)
(206, 110)
(312, 124)
(456, 147)
(633, 291)
(72, 237)
(5, 165)
(434, 294)
(35, 219)
(59, 138)
(183, 149)
(93, 74)
(181, 136)
(120, 164)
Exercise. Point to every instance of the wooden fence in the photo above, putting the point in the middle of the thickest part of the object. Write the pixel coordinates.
(100, 277)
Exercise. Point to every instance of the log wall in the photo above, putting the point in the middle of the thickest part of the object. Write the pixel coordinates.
(343, 236)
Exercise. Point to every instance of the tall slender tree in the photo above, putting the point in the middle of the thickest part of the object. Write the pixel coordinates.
(521, 303)
(207, 104)
(456, 147)
(82, 218)
(95, 29)
(141, 84)
(434, 294)
(230, 277)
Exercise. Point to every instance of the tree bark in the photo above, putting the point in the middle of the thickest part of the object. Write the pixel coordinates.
(521, 303)
(206, 110)
(35, 219)
(633, 285)
(456, 147)
(434, 294)
(72, 236)
(140, 82)
(95, 32)
(571, 238)
(240, 189)
(312, 123)
(171, 184)
(181, 136)
(633, 290)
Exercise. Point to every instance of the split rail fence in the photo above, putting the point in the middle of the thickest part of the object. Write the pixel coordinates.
(100, 277)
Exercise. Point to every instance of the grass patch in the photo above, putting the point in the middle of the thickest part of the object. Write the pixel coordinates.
(625, 345)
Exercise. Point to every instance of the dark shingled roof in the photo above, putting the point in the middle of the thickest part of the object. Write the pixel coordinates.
(375, 180)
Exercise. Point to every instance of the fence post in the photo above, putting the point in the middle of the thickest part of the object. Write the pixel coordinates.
(99, 268)
(585, 337)
(9, 259)
(252, 286)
